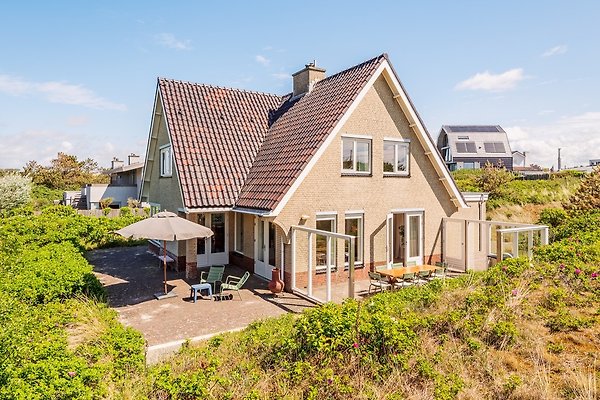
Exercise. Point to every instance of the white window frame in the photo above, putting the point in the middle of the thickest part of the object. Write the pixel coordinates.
(356, 139)
(331, 216)
(397, 143)
(166, 169)
(360, 238)
(238, 247)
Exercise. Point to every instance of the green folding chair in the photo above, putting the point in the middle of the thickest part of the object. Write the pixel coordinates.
(214, 275)
(378, 282)
(407, 280)
(235, 283)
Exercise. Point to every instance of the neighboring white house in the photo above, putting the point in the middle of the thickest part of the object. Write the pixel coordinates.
(125, 183)
(519, 159)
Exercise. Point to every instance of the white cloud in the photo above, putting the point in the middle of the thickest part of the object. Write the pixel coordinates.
(281, 76)
(66, 145)
(43, 145)
(57, 92)
(262, 60)
(77, 120)
(492, 82)
(578, 136)
(169, 40)
(556, 50)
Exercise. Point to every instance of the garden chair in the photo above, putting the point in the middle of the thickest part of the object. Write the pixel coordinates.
(423, 277)
(411, 263)
(378, 282)
(440, 271)
(398, 265)
(214, 275)
(407, 280)
(235, 283)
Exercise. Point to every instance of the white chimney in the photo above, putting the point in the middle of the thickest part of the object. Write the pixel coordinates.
(132, 159)
(116, 163)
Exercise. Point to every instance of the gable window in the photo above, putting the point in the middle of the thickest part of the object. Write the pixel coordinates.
(239, 233)
(356, 155)
(396, 157)
(466, 147)
(165, 160)
(354, 227)
(494, 147)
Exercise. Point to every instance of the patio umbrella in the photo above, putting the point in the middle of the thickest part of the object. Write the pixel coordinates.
(165, 226)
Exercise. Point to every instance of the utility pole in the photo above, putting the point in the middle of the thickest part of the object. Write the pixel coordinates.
(559, 160)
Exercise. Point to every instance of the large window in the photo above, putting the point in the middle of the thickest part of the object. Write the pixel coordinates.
(165, 161)
(356, 155)
(239, 233)
(325, 223)
(218, 228)
(396, 157)
(201, 248)
(354, 227)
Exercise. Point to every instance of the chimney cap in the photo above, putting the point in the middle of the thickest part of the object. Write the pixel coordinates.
(311, 66)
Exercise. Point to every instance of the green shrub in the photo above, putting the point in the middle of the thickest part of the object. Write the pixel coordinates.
(552, 216)
(125, 212)
(587, 196)
(564, 321)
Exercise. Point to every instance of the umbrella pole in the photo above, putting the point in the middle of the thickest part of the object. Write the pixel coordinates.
(165, 263)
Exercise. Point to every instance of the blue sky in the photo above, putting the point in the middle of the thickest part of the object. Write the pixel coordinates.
(80, 77)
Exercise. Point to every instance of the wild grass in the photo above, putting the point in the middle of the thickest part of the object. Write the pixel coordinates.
(483, 336)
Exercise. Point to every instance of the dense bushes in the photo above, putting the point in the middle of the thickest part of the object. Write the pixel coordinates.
(505, 190)
(483, 335)
(57, 339)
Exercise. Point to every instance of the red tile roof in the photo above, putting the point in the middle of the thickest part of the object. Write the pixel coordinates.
(233, 147)
(216, 134)
(297, 135)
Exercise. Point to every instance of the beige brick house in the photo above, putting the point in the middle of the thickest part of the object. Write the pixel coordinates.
(346, 153)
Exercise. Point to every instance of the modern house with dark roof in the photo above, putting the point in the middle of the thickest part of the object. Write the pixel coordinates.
(472, 146)
(345, 154)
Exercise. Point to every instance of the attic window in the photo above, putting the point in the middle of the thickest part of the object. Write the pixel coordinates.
(165, 161)
(494, 147)
(466, 147)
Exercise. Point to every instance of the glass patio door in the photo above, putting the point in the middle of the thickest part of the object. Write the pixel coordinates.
(413, 239)
(213, 250)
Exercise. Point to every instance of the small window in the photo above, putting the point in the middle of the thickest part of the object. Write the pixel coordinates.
(239, 233)
(356, 155)
(494, 147)
(396, 157)
(165, 161)
(354, 227)
(466, 147)
(463, 138)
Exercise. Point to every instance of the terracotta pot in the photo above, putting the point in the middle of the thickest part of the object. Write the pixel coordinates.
(276, 284)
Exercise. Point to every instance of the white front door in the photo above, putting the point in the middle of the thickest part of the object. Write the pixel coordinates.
(213, 250)
(264, 249)
(413, 223)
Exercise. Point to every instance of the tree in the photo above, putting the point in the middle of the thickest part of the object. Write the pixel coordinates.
(65, 172)
(587, 196)
(15, 191)
(493, 179)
